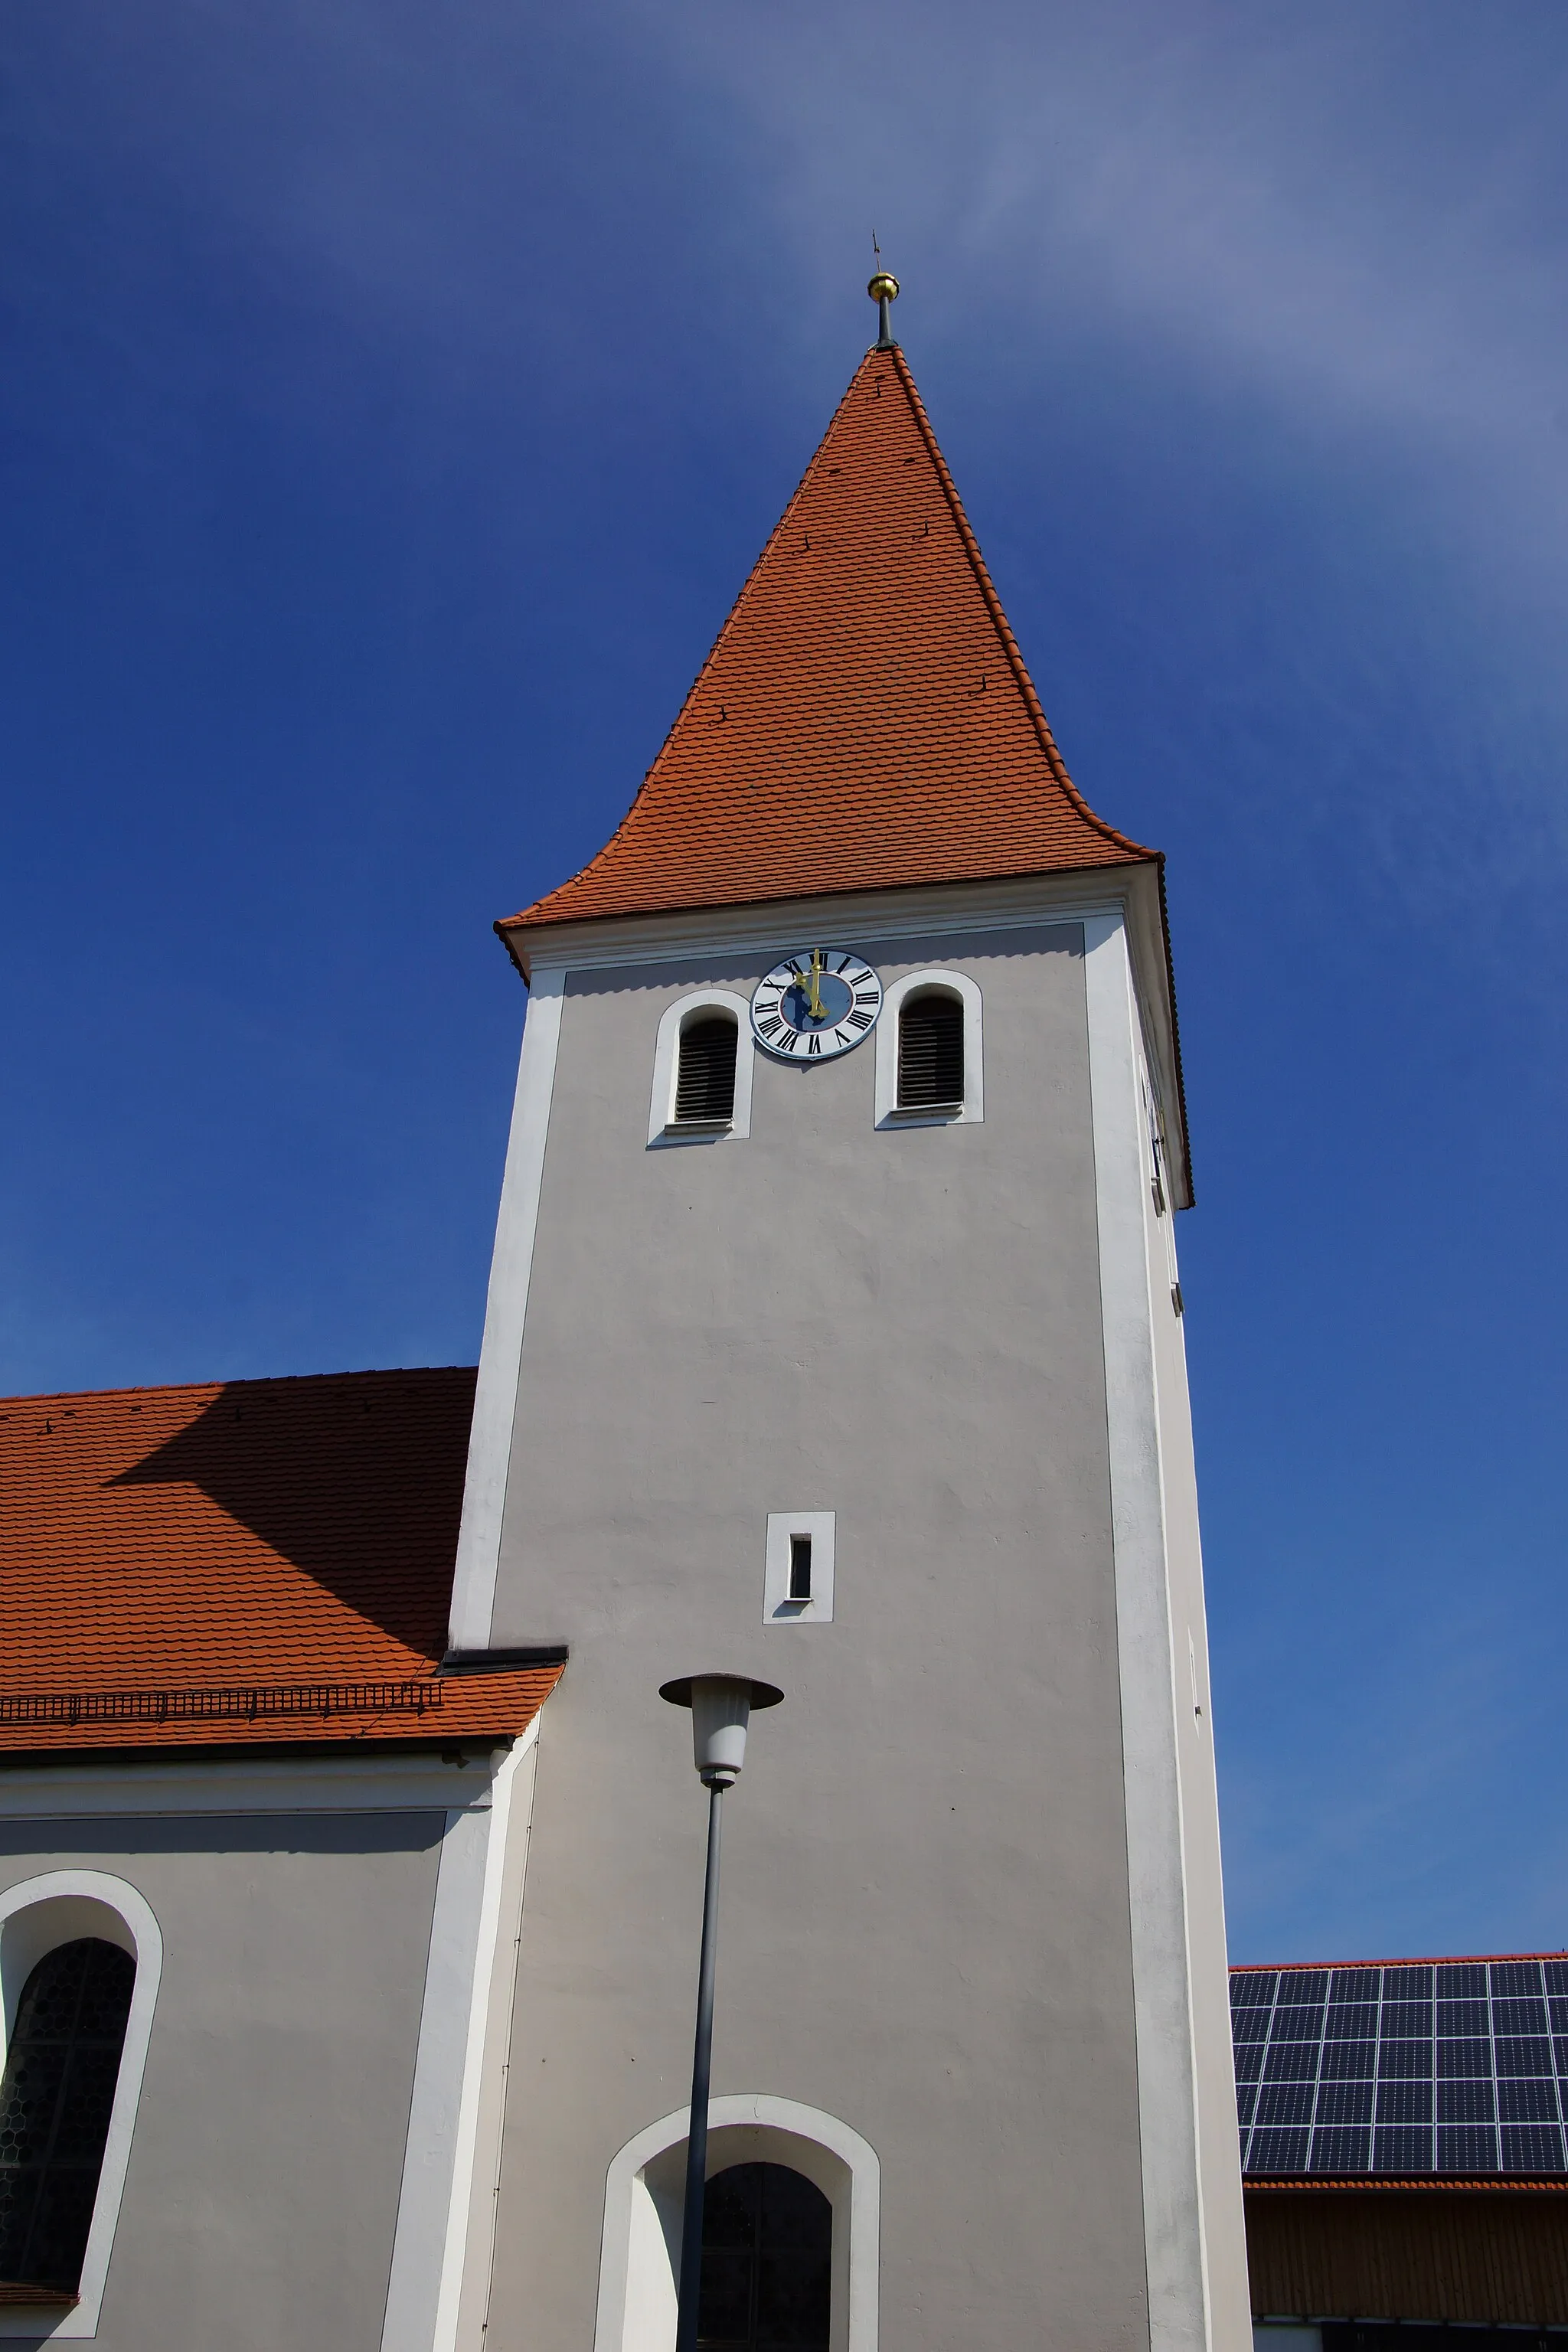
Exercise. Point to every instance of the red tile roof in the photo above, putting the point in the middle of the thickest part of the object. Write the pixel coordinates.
(1376, 2182)
(1422, 1960)
(239, 1563)
(865, 719)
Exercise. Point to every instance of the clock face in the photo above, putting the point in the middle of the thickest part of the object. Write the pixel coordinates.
(818, 1003)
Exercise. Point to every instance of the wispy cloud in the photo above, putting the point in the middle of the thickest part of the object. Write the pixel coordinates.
(1358, 212)
(1356, 216)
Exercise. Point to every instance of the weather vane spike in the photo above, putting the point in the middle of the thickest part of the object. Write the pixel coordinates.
(883, 289)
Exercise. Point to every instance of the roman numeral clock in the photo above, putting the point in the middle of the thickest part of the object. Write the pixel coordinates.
(814, 1004)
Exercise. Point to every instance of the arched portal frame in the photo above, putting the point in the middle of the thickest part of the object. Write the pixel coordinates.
(36, 1916)
(640, 2250)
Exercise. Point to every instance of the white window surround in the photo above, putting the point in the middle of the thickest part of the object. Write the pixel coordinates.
(36, 1916)
(778, 1609)
(661, 1122)
(640, 2249)
(940, 983)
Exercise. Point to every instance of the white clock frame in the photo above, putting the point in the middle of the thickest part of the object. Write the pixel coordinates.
(830, 1046)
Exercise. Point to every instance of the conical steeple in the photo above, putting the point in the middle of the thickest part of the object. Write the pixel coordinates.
(865, 720)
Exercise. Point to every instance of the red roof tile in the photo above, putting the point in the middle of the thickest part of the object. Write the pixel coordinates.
(1421, 1960)
(245, 1562)
(1362, 2183)
(865, 719)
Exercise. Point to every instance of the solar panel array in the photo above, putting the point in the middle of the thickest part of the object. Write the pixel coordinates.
(1447, 2066)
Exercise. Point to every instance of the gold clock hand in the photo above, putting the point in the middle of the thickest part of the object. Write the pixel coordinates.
(814, 1002)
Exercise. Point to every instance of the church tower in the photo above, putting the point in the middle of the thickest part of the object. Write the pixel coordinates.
(834, 1336)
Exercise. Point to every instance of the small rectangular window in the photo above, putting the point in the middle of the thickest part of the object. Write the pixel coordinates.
(800, 1568)
(797, 1577)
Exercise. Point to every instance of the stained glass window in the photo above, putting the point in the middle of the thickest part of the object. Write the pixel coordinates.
(56, 2100)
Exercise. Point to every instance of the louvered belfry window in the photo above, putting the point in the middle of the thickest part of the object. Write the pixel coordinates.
(705, 1081)
(931, 1051)
(55, 2101)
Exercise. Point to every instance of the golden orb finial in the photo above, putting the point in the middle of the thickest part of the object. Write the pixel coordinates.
(884, 291)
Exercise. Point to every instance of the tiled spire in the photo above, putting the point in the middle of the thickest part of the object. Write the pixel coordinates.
(865, 720)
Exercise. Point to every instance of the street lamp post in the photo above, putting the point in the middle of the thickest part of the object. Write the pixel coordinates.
(721, 1708)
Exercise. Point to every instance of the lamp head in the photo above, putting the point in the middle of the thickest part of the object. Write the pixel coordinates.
(720, 1709)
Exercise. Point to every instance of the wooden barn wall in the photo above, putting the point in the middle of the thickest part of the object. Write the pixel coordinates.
(1420, 2253)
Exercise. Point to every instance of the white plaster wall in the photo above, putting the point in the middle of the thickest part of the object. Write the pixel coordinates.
(261, 2187)
(926, 1923)
(957, 1908)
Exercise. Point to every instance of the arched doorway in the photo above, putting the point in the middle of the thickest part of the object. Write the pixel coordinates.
(767, 2262)
(639, 2253)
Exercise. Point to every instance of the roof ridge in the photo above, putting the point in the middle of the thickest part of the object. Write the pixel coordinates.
(241, 1381)
(1003, 628)
(1419, 2180)
(1421, 1960)
(834, 737)
(509, 922)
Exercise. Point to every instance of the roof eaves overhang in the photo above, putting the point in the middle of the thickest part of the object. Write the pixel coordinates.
(1407, 2184)
(1149, 928)
(1137, 885)
(123, 1755)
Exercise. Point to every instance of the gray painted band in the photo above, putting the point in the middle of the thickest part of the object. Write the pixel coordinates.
(240, 1785)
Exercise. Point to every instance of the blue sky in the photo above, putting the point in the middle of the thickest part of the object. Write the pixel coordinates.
(396, 396)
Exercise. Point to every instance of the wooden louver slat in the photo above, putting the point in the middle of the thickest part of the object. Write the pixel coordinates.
(931, 1051)
(705, 1082)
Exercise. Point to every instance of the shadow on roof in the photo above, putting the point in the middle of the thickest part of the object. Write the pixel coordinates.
(354, 1478)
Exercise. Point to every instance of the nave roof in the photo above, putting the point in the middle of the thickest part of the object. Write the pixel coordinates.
(240, 1563)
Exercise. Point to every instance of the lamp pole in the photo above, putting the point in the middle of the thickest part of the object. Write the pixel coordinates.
(720, 1709)
(701, 2054)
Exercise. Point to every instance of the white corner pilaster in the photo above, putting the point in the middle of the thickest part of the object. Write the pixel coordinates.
(467, 1932)
(1172, 2208)
(506, 1308)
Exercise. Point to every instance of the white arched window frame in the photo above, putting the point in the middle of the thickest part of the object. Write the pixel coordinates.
(662, 1128)
(935, 984)
(640, 2250)
(36, 1916)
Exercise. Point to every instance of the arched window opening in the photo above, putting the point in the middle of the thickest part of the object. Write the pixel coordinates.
(930, 1053)
(56, 2100)
(705, 1077)
(767, 2262)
